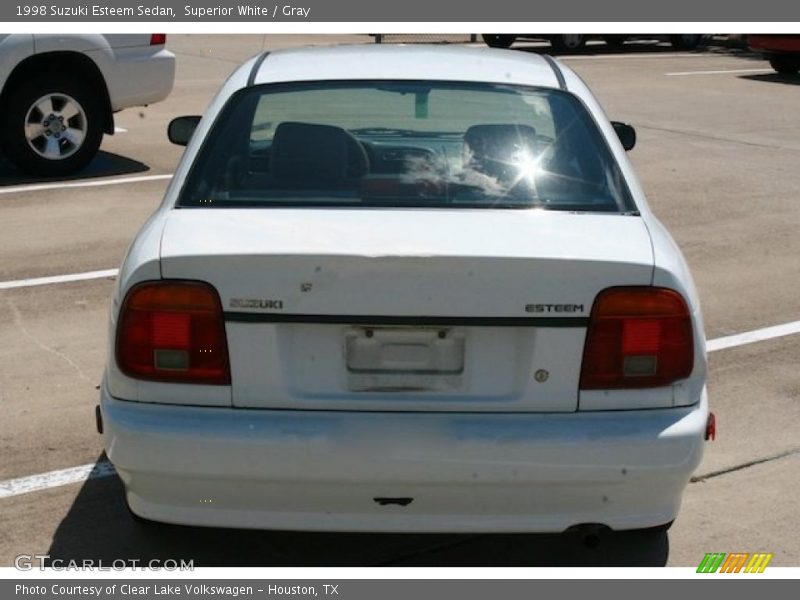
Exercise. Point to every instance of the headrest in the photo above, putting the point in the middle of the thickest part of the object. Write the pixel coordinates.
(501, 142)
(311, 154)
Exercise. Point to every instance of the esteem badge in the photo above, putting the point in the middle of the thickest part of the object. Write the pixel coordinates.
(551, 308)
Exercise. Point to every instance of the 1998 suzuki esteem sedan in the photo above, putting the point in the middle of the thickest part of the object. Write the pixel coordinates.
(404, 289)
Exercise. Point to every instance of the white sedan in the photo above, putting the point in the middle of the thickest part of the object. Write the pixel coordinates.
(405, 289)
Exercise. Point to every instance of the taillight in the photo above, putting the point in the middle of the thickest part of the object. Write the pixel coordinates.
(158, 39)
(173, 331)
(638, 337)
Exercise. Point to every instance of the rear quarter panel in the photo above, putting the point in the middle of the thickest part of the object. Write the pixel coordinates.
(670, 270)
(135, 72)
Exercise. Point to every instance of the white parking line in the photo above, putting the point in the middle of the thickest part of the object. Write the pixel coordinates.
(37, 187)
(749, 337)
(22, 283)
(51, 479)
(720, 72)
(120, 129)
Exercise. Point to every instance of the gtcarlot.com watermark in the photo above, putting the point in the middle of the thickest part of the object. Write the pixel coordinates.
(28, 562)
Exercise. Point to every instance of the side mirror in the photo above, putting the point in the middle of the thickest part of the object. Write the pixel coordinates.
(626, 134)
(180, 129)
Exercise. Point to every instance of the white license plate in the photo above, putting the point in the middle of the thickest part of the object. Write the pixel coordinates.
(404, 358)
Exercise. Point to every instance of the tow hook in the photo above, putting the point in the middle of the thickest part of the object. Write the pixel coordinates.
(711, 427)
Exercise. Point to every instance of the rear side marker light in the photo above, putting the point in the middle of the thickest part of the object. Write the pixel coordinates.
(638, 337)
(711, 427)
(158, 39)
(173, 331)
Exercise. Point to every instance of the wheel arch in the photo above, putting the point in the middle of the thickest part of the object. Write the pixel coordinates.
(58, 62)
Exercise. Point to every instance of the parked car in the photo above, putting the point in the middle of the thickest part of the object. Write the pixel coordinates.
(782, 51)
(59, 93)
(576, 41)
(397, 288)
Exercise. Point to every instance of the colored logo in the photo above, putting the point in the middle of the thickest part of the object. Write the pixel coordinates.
(736, 562)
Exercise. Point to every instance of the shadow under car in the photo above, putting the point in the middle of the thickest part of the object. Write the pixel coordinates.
(98, 526)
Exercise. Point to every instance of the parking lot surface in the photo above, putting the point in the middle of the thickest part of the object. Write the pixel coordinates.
(719, 156)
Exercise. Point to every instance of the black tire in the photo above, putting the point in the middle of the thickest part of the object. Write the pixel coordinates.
(785, 64)
(498, 40)
(66, 157)
(568, 42)
(686, 41)
(615, 42)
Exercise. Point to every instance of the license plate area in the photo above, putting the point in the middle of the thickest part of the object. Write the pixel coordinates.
(404, 359)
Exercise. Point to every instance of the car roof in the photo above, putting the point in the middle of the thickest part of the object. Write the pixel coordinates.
(398, 62)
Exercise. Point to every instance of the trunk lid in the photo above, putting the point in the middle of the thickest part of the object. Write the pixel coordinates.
(406, 309)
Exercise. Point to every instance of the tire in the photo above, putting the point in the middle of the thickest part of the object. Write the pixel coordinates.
(57, 145)
(785, 64)
(686, 41)
(615, 42)
(571, 42)
(498, 40)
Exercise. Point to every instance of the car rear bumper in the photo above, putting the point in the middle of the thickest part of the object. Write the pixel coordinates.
(323, 470)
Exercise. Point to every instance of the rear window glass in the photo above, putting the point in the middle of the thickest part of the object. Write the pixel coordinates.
(405, 144)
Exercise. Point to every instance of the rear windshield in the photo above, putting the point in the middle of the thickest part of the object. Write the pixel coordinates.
(405, 144)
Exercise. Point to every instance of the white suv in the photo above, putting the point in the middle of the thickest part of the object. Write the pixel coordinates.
(58, 93)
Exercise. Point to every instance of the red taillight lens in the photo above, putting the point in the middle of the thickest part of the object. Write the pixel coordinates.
(638, 337)
(173, 331)
(158, 39)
